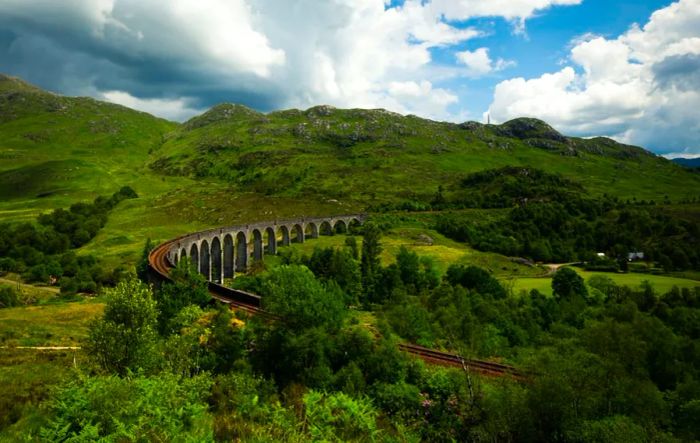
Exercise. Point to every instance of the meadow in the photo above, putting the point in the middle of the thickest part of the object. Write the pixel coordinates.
(661, 283)
(427, 243)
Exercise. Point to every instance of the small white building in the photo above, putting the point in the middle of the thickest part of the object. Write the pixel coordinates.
(635, 256)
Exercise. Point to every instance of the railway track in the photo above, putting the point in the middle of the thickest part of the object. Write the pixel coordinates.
(250, 303)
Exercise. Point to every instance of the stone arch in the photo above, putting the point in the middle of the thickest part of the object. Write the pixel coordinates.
(205, 260)
(257, 245)
(216, 265)
(228, 256)
(176, 257)
(353, 226)
(311, 230)
(325, 228)
(183, 253)
(194, 256)
(298, 234)
(271, 245)
(340, 227)
(241, 259)
(283, 234)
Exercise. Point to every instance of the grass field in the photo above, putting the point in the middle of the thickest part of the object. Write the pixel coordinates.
(57, 324)
(30, 294)
(426, 243)
(661, 283)
(27, 377)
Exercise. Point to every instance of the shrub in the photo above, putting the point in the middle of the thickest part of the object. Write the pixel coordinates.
(8, 297)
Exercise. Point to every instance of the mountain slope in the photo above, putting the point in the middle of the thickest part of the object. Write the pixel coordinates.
(375, 156)
(52, 144)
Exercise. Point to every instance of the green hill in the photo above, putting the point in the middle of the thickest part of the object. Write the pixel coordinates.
(375, 156)
(76, 147)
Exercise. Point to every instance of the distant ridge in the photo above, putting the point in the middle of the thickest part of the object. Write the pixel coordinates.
(367, 157)
(688, 162)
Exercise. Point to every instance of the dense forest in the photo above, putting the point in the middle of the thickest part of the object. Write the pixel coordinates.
(602, 362)
(551, 219)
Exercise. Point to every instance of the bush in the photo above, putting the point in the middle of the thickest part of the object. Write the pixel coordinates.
(161, 408)
(9, 297)
(123, 340)
(339, 417)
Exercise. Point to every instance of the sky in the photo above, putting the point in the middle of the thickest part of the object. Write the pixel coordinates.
(625, 69)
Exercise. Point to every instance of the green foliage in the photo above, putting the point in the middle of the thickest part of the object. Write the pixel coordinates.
(9, 297)
(41, 252)
(246, 408)
(351, 243)
(339, 417)
(618, 429)
(511, 185)
(163, 408)
(337, 265)
(225, 341)
(142, 264)
(294, 294)
(473, 277)
(370, 264)
(187, 287)
(578, 227)
(411, 320)
(124, 339)
(566, 284)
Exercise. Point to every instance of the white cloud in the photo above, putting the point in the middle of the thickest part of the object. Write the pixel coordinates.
(479, 63)
(682, 154)
(172, 109)
(515, 10)
(642, 87)
(268, 53)
(412, 97)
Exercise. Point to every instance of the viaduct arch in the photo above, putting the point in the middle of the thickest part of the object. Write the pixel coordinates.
(222, 252)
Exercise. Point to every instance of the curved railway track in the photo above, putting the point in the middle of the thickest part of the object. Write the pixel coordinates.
(247, 302)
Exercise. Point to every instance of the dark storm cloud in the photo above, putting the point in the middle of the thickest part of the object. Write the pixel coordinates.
(680, 71)
(65, 56)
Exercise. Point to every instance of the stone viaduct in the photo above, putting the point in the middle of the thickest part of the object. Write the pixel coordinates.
(220, 253)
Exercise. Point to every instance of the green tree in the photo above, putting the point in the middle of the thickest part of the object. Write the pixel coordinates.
(409, 267)
(566, 284)
(473, 277)
(124, 338)
(351, 243)
(370, 265)
(188, 287)
(142, 265)
(293, 293)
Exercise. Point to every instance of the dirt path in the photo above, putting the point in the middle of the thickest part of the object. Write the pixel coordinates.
(43, 348)
(554, 267)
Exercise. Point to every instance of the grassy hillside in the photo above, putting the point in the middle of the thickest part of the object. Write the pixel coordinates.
(375, 156)
(56, 149)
